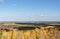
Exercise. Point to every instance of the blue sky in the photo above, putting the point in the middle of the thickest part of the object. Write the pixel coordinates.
(29, 10)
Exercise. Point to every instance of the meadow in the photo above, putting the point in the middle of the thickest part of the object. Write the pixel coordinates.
(37, 33)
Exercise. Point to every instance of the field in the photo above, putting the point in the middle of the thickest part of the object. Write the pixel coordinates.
(51, 33)
(25, 32)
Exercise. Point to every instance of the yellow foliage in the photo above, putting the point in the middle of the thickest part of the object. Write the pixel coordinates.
(27, 34)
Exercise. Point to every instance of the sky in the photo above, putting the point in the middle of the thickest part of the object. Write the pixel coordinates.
(29, 10)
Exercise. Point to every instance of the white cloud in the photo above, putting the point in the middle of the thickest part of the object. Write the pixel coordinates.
(14, 4)
(2, 1)
(43, 15)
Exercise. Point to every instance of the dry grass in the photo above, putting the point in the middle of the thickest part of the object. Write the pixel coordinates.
(30, 34)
